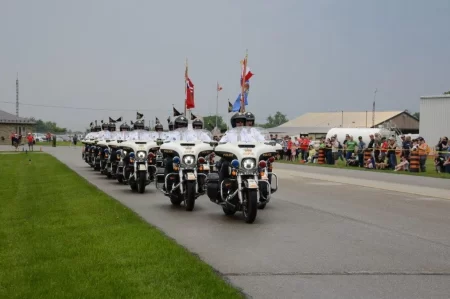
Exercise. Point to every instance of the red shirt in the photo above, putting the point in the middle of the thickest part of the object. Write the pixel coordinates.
(30, 138)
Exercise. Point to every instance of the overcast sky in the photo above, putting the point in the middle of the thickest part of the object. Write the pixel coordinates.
(307, 56)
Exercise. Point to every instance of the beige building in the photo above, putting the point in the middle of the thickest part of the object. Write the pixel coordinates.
(318, 124)
(10, 123)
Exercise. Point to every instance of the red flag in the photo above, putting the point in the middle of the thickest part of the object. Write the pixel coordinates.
(189, 94)
(219, 88)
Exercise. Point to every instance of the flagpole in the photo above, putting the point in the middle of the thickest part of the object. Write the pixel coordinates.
(185, 80)
(243, 83)
(217, 103)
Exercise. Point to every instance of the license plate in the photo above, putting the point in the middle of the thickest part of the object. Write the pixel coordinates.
(205, 167)
(142, 167)
(252, 184)
(190, 176)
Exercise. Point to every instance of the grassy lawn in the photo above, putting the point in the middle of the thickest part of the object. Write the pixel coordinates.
(430, 169)
(60, 237)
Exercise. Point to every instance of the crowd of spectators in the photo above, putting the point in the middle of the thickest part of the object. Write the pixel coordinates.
(380, 153)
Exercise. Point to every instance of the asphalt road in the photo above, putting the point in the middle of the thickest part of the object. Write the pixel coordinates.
(316, 238)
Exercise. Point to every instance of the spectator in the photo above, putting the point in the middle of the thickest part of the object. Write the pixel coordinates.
(30, 140)
(361, 147)
(15, 141)
(350, 147)
(403, 165)
(391, 154)
(424, 150)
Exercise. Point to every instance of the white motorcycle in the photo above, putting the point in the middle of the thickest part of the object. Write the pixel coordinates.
(139, 167)
(188, 167)
(248, 181)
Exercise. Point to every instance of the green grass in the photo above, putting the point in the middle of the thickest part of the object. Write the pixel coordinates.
(430, 169)
(60, 237)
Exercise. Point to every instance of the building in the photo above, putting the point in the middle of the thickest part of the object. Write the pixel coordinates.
(10, 123)
(318, 124)
(434, 118)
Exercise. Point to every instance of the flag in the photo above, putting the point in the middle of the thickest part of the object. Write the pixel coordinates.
(132, 123)
(219, 88)
(189, 94)
(248, 74)
(193, 116)
(175, 112)
(237, 103)
(139, 115)
(111, 121)
(168, 120)
(101, 121)
(119, 119)
(230, 106)
(157, 121)
(91, 124)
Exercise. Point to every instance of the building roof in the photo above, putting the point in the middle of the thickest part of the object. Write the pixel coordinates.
(441, 96)
(8, 118)
(340, 119)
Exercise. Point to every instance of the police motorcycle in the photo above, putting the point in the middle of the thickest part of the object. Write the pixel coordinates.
(265, 190)
(87, 141)
(139, 158)
(185, 152)
(93, 149)
(115, 165)
(245, 165)
(103, 140)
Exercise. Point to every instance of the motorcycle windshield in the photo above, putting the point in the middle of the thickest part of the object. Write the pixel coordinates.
(246, 134)
(191, 135)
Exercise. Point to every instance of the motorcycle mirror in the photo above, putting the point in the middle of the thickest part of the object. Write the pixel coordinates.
(159, 141)
(213, 143)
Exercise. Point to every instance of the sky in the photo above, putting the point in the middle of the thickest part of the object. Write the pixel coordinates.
(306, 56)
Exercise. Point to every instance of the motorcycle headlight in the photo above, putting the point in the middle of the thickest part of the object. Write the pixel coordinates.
(248, 163)
(141, 155)
(189, 160)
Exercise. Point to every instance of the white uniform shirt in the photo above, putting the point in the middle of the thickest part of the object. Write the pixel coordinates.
(255, 134)
(234, 136)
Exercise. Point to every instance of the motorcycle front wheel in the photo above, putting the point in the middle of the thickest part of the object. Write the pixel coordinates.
(190, 195)
(250, 207)
(141, 181)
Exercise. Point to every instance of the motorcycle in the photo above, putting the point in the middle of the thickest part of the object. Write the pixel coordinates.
(189, 165)
(250, 182)
(138, 160)
(103, 155)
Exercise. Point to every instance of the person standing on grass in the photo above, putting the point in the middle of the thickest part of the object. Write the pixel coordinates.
(30, 140)
(361, 147)
(350, 146)
(424, 150)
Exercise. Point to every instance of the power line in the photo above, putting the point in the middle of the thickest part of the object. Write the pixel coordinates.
(81, 108)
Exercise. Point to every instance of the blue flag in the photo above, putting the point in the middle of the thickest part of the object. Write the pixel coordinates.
(237, 103)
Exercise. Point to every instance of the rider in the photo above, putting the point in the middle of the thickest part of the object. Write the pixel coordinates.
(171, 126)
(180, 122)
(237, 120)
(197, 124)
(249, 122)
(159, 132)
(104, 133)
(137, 134)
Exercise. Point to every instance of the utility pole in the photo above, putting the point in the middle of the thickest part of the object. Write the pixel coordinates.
(17, 95)
(373, 107)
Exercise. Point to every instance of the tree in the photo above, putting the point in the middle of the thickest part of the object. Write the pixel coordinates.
(447, 92)
(417, 115)
(209, 122)
(48, 126)
(276, 120)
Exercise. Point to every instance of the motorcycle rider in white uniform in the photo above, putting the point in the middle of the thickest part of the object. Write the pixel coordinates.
(180, 122)
(249, 122)
(159, 132)
(197, 124)
(237, 120)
